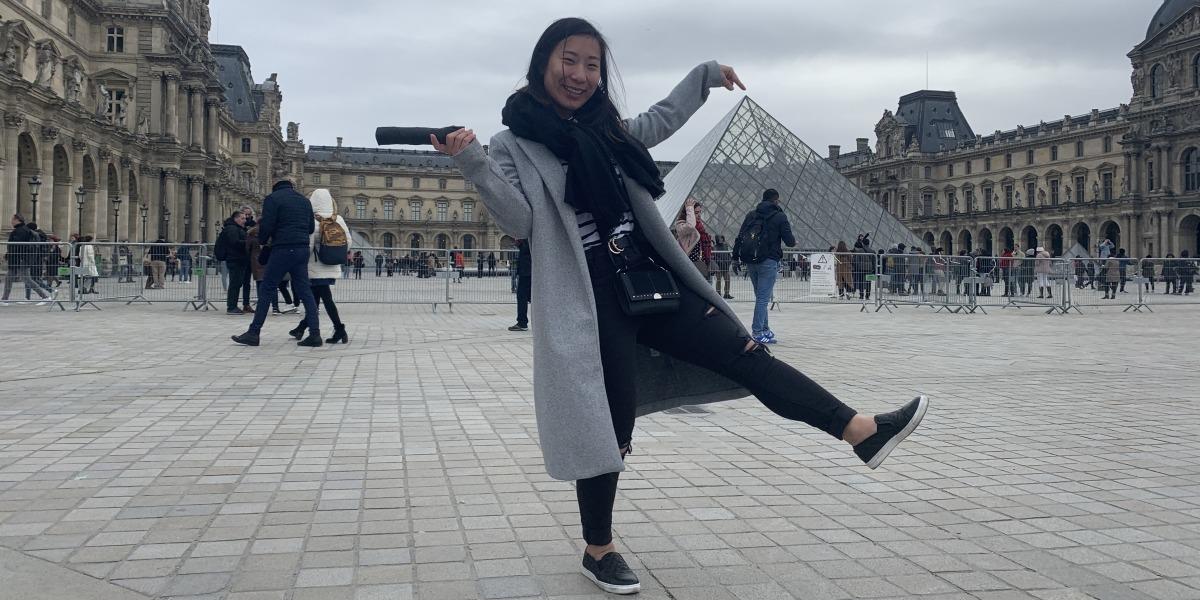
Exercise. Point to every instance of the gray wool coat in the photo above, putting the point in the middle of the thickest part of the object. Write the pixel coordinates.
(523, 184)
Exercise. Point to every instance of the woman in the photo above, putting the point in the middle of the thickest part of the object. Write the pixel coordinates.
(322, 277)
(588, 352)
(721, 258)
(87, 266)
(1148, 273)
(1042, 268)
(688, 231)
(359, 262)
(1185, 273)
(1168, 273)
(1112, 277)
(843, 272)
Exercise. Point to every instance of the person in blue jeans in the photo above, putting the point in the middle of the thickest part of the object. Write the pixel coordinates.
(286, 224)
(759, 246)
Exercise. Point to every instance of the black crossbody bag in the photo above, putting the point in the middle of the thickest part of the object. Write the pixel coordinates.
(643, 287)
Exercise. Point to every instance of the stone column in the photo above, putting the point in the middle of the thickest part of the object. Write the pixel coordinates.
(46, 174)
(197, 195)
(78, 148)
(197, 99)
(1168, 168)
(211, 125)
(123, 231)
(212, 215)
(172, 105)
(100, 208)
(171, 202)
(156, 105)
(8, 187)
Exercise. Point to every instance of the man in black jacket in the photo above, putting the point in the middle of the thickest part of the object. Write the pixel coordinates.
(286, 226)
(759, 246)
(524, 285)
(23, 259)
(231, 248)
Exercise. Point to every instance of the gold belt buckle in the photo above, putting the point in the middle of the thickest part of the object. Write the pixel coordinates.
(613, 247)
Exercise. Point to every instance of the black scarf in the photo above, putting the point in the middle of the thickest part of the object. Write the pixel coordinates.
(593, 184)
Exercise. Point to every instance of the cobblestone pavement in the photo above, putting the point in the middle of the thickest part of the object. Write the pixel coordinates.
(138, 446)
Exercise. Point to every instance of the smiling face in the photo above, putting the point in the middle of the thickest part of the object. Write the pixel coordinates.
(573, 73)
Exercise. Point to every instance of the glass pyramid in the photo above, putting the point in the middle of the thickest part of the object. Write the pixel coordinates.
(749, 151)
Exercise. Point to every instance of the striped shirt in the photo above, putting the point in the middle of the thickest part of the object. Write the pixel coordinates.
(590, 232)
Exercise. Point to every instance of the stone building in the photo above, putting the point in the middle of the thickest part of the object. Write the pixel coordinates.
(1130, 173)
(126, 102)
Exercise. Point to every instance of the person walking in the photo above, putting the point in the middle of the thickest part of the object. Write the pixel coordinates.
(359, 263)
(378, 264)
(479, 265)
(1185, 273)
(491, 262)
(287, 224)
(721, 261)
(1168, 273)
(21, 253)
(759, 246)
(184, 255)
(89, 270)
(1041, 269)
(1123, 266)
(844, 270)
(1112, 277)
(1148, 273)
(231, 249)
(587, 349)
(322, 277)
(524, 285)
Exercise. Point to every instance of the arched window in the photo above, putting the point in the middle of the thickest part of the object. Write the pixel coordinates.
(1191, 170)
(1156, 81)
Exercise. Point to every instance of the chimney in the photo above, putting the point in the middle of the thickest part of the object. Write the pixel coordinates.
(864, 144)
(834, 151)
(339, 142)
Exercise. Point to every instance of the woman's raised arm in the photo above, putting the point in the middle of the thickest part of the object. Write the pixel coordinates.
(666, 117)
(495, 175)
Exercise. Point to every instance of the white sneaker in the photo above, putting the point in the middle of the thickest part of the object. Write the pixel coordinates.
(5, 303)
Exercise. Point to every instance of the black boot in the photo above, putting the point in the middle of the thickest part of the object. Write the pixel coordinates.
(312, 341)
(298, 332)
(246, 339)
(339, 335)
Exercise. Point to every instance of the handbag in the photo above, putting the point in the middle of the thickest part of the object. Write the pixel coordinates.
(643, 287)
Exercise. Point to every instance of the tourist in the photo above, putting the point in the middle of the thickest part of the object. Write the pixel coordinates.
(524, 285)
(322, 277)
(231, 249)
(1148, 273)
(359, 263)
(491, 262)
(21, 253)
(287, 225)
(258, 268)
(1042, 268)
(770, 228)
(184, 254)
(1105, 248)
(1185, 273)
(844, 271)
(1006, 271)
(89, 270)
(479, 265)
(1112, 277)
(1168, 273)
(378, 264)
(1025, 272)
(690, 233)
(460, 265)
(1122, 265)
(721, 261)
(586, 347)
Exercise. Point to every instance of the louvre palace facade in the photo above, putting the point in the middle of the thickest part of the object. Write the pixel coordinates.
(120, 119)
(1129, 173)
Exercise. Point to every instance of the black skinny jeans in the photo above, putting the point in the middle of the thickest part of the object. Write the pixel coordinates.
(714, 342)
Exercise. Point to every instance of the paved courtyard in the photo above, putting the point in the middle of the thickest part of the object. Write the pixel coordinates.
(142, 455)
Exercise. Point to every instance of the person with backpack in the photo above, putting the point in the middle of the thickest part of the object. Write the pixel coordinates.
(231, 250)
(758, 246)
(21, 255)
(286, 225)
(330, 242)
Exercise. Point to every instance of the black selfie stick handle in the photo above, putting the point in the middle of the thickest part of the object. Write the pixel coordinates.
(411, 136)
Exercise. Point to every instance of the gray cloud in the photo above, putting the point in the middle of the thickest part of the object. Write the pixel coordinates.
(826, 70)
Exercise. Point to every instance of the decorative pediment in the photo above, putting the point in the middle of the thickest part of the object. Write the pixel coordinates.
(986, 183)
(15, 39)
(114, 76)
(1079, 171)
(1029, 177)
(1008, 180)
(1053, 173)
(1105, 166)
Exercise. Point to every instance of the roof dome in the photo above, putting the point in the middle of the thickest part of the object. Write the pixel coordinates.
(1167, 13)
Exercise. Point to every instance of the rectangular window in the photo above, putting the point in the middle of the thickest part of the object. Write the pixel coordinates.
(416, 183)
(903, 207)
(245, 145)
(1053, 192)
(928, 172)
(952, 202)
(987, 164)
(1080, 182)
(950, 170)
(316, 178)
(389, 210)
(1053, 153)
(115, 39)
(360, 208)
(414, 209)
(969, 166)
(468, 211)
(1107, 144)
(1029, 157)
(1107, 180)
(360, 181)
(1030, 194)
(1008, 196)
(441, 184)
(969, 201)
(387, 182)
(114, 104)
(442, 209)
(1078, 149)
(467, 185)
(927, 205)
(988, 196)
(1150, 175)
(1008, 160)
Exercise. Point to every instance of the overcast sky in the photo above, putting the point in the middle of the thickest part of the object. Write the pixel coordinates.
(827, 70)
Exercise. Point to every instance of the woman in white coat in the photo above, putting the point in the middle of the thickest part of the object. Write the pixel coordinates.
(320, 275)
(87, 266)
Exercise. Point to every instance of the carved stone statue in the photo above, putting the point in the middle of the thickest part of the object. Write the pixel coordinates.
(13, 57)
(103, 96)
(1138, 80)
(1067, 191)
(47, 63)
(1095, 190)
(1174, 69)
(293, 131)
(1124, 184)
(123, 119)
(1041, 196)
(74, 84)
(143, 121)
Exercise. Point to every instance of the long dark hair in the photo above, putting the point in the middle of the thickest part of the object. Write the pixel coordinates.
(601, 109)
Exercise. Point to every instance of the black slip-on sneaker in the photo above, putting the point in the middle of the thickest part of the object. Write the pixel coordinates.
(518, 328)
(611, 574)
(246, 339)
(892, 427)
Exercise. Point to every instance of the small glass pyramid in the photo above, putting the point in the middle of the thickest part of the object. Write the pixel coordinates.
(749, 151)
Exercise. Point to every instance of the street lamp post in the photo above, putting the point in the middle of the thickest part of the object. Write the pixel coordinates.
(80, 198)
(145, 211)
(116, 202)
(35, 185)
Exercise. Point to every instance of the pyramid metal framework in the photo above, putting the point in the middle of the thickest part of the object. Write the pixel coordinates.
(749, 151)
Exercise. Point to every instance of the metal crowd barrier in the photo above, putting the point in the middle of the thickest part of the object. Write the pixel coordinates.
(823, 278)
(37, 273)
(489, 276)
(404, 276)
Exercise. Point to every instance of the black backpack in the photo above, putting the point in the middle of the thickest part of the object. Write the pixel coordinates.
(752, 244)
